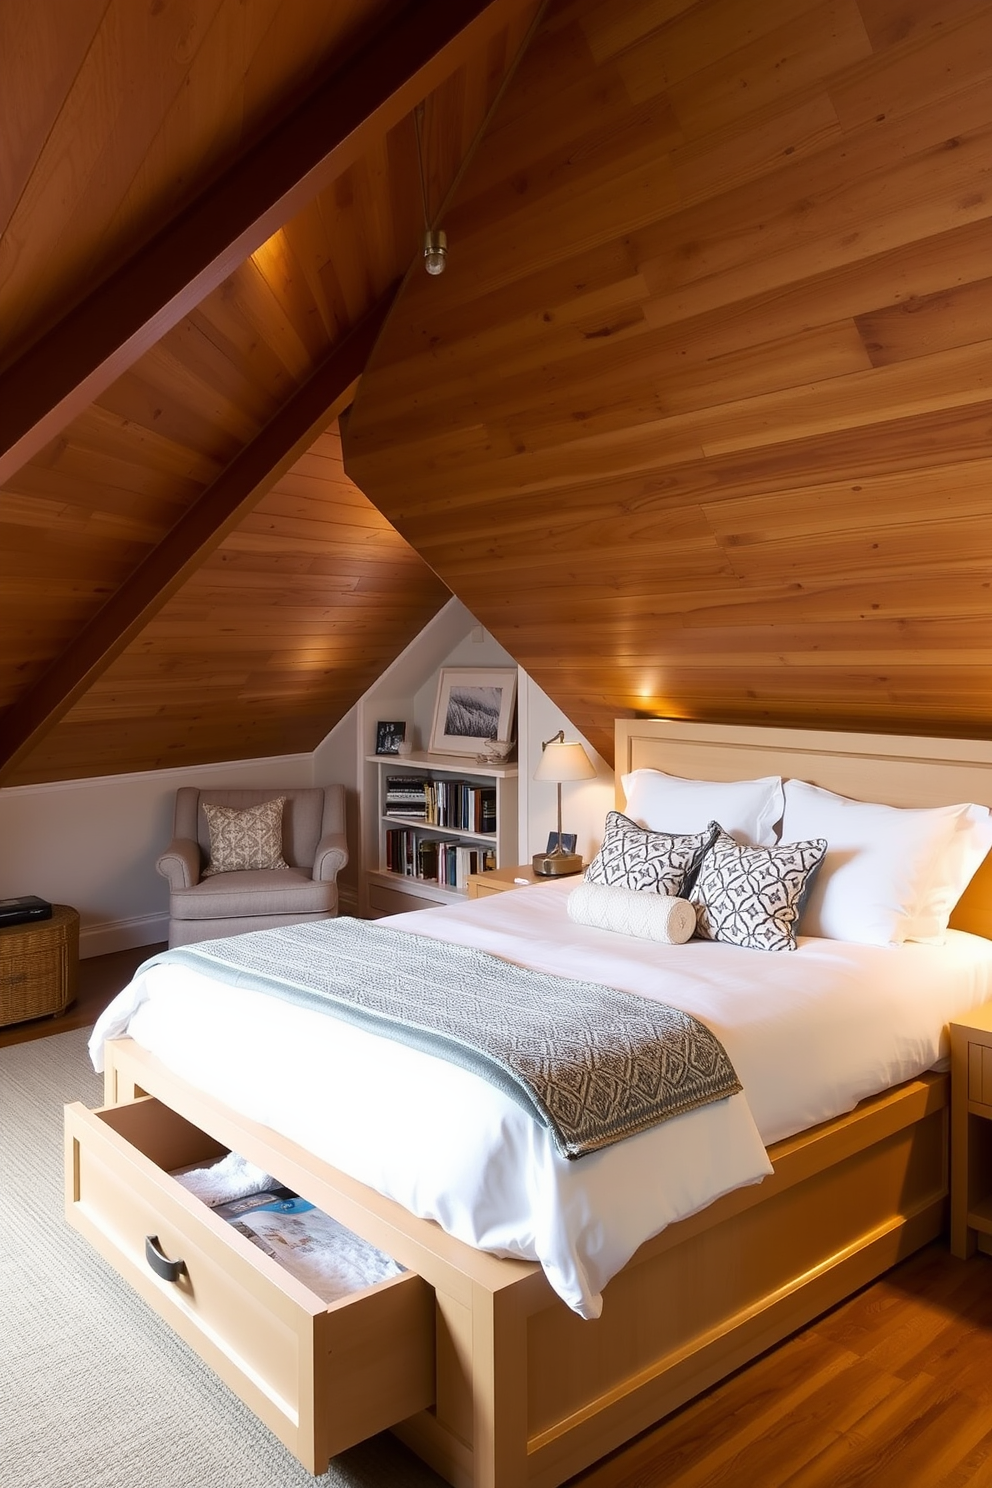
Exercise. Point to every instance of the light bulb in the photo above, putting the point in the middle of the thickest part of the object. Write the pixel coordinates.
(435, 251)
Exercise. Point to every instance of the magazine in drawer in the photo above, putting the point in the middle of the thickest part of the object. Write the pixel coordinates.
(321, 1375)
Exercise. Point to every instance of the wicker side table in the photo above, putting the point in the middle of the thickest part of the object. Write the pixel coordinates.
(39, 962)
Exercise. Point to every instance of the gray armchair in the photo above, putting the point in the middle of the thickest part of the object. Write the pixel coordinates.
(313, 844)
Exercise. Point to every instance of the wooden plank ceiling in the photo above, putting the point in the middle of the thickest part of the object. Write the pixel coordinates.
(699, 419)
(696, 422)
(174, 587)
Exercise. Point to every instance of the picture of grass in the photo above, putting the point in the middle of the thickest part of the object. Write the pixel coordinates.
(474, 707)
(473, 712)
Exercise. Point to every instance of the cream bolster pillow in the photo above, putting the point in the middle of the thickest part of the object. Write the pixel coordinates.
(632, 912)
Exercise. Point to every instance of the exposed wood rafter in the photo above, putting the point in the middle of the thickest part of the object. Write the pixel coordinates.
(203, 528)
(68, 368)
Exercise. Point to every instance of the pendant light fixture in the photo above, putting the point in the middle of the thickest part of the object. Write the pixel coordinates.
(435, 239)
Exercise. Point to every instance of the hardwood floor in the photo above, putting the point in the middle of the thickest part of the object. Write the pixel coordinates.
(100, 979)
(893, 1388)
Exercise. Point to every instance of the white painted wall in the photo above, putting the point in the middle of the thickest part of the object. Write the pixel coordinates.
(335, 763)
(406, 691)
(584, 804)
(93, 843)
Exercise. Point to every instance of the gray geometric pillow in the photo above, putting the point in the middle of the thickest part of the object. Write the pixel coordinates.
(754, 896)
(657, 862)
(241, 841)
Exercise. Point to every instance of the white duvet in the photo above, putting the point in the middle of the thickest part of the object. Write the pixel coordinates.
(810, 1033)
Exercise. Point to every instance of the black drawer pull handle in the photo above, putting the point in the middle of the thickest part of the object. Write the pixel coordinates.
(159, 1261)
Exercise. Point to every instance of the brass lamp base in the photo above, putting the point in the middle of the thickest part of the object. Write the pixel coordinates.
(556, 865)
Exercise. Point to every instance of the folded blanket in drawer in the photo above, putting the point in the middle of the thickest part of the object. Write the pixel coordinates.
(591, 1063)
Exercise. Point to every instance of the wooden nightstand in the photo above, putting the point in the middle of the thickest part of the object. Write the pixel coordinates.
(478, 885)
(971, 1132)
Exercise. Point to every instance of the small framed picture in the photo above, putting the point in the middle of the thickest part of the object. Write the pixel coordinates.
(567, 842)
(389, 737)
(474, 705)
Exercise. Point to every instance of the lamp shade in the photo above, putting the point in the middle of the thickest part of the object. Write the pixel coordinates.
(561, 761)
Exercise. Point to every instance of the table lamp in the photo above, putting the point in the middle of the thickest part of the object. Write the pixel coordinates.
(560, 761)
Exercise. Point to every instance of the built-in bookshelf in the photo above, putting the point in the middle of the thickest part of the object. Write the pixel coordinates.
(440, 818)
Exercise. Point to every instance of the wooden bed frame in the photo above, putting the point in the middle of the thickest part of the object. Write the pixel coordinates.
(528, 1394)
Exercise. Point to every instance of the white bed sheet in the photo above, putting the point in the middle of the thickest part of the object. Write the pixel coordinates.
(810, 1034)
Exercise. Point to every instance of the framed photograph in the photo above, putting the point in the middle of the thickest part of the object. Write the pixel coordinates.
(567, 842)
(389, 737)
(474, 705)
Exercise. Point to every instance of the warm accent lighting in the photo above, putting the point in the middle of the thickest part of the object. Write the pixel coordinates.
(270, 257)
(559, 762)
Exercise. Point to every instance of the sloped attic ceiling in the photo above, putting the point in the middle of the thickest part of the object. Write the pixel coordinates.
(205, 210)
(699, 419)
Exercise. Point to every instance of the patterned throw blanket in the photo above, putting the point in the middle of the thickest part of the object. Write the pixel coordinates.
(590, 1063)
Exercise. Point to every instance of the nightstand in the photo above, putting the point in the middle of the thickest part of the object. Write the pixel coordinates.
(478, 885)
(971, 1132)
(39, 961)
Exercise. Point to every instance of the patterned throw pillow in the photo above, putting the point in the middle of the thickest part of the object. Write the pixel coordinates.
(659, 862)
(754, 896)
(242, 840)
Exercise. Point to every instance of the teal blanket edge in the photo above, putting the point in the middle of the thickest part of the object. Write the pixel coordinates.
(592, 1064)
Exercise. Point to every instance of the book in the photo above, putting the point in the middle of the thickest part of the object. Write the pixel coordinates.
(400, 850)
(312, 1246)
(427, 859)
(470, 860)
(407, 795)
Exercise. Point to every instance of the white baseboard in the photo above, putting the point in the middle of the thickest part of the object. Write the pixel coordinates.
(142, 930)
(122, 935)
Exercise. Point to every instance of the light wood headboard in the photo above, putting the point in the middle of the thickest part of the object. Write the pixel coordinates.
(870, 767)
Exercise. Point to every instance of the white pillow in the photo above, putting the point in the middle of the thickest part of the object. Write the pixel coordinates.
(746, 809)
(660, 917)
(970, 844)
(890, 873)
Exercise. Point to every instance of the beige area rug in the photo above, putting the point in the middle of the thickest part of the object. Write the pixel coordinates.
(95, 1392)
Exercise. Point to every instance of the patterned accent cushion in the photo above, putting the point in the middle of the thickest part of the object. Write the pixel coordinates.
(659, 862)
(754, 896)
(244, 840)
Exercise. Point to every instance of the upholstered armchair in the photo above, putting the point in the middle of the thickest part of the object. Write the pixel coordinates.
(314, 849)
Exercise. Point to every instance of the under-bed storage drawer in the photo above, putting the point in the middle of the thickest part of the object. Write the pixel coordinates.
(321, 1375)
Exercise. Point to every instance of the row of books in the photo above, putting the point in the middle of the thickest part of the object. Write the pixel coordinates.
(445, 863)
(454, 804)
(406, 795)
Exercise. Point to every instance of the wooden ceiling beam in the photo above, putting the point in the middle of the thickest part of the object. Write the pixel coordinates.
(67, 368)
(202, 529)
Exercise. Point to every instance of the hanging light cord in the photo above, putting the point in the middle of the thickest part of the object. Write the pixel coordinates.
(418, 115)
